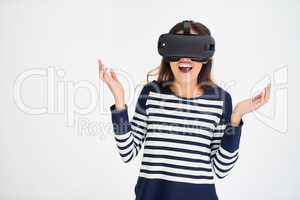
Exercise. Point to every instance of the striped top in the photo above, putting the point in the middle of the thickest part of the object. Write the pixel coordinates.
(186, 141)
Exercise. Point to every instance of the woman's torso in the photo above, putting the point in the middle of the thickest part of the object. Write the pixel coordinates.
(178, 145)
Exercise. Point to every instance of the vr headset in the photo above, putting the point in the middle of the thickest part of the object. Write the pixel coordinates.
(196, 47)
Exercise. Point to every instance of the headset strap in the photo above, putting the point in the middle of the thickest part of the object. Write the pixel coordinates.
(187, 26)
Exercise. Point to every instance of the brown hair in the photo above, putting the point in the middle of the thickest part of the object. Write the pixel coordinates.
(164, 69)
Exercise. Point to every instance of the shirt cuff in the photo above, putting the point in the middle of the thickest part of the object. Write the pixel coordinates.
(120, 120)
(231, 137)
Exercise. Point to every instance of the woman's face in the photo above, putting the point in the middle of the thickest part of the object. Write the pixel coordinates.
(186, 70)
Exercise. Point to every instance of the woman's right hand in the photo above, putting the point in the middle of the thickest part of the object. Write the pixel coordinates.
(114, 85)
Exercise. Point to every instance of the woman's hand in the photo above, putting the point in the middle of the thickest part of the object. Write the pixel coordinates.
(250, 105)
(114, 85)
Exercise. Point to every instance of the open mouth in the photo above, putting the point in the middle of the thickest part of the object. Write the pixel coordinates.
(185, 67)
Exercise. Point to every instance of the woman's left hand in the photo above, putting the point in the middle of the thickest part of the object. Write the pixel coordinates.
(249, 105)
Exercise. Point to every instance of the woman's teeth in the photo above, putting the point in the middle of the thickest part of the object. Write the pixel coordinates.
(185, 67)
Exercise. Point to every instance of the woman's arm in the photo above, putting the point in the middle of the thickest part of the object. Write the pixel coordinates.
(130, 135)
(226, 140)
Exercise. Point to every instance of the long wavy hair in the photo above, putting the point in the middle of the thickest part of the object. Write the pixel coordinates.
(164, 71)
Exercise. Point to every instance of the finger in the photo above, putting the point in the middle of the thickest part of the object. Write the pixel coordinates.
(101, 69)
(113, 75)
(107, 75)
(257, 97)
(268, 92)
(264, 96)
(258, 101)
(262, 99)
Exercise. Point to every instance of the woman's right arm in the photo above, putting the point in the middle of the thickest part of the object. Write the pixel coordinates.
(129, 135)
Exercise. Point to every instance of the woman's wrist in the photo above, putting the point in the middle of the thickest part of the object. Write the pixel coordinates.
(120, 104)
(236, 118)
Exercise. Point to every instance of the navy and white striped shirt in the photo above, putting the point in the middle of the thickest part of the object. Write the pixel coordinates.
(186, 141)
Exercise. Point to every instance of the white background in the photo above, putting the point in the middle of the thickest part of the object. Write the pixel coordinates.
(44, 157)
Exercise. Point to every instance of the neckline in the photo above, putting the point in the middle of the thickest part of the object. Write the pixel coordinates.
(167, 86)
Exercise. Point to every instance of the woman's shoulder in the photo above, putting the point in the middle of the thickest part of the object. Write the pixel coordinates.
(218, 92)
(153, 86)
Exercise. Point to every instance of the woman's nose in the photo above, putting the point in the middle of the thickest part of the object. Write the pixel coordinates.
(185, 59)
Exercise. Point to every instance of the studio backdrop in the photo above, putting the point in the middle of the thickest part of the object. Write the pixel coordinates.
(56, 134)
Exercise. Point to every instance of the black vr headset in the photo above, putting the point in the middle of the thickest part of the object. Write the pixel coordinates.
(196, 47)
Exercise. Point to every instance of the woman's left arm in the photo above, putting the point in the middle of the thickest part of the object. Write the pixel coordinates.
(226, 139)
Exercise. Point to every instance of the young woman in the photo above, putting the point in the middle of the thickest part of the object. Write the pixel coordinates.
(187, 126)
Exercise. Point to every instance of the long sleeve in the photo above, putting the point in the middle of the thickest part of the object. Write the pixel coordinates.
(130, 135)
(225, 142)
